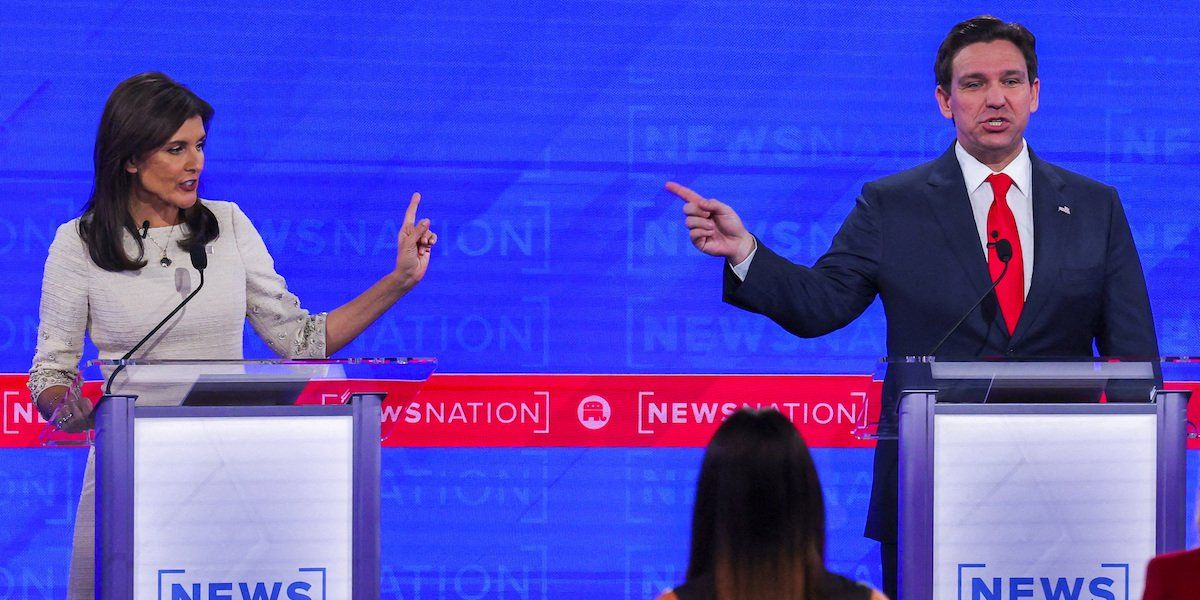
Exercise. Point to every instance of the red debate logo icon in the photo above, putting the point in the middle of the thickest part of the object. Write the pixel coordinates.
(594, 412)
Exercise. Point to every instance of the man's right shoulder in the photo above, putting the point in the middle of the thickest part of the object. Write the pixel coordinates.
(907, 178)
(901, 186)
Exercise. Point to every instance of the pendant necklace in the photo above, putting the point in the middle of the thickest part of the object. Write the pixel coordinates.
(164, 261)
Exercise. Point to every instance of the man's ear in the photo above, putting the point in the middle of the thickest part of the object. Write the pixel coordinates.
(943, 101)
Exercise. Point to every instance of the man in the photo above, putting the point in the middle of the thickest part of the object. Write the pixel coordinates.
(931, 240)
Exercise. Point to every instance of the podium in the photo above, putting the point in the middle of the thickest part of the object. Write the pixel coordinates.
(211, 482)
(1038, 479)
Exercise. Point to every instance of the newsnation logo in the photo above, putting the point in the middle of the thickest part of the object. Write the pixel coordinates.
(1109, 582)
(304, 584)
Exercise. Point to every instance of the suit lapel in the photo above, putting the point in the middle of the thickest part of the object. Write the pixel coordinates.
(952, 207)
(1050, 230)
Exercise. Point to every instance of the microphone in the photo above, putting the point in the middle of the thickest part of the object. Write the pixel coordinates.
(199, 262)
(200, 259)
(145, 228)
(1004, 252)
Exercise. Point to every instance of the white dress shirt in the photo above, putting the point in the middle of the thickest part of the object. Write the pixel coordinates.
(975, 173)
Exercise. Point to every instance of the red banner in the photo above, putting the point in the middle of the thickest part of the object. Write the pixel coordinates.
(619, 410)
(572, 410)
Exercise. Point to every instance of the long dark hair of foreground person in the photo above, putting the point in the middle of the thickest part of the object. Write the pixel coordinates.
(758, 526)
(141, 115)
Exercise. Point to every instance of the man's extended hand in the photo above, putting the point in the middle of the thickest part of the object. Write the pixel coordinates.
(714, 227)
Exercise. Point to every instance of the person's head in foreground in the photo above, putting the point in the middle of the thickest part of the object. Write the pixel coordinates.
(758, 526)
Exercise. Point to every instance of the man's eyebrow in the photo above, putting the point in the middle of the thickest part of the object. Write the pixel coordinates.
(980, 75)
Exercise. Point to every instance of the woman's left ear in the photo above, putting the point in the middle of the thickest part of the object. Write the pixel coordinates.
(130, 167)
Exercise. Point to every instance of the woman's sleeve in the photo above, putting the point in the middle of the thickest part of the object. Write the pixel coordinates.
(63, 313)
(274, 312)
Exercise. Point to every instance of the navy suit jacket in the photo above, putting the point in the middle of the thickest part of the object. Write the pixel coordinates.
(911, 239)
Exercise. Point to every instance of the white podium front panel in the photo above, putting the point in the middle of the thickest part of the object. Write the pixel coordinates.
(223, 505)
(1043, 506)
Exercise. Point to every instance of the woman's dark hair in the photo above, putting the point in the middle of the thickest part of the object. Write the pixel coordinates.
(758, 526)
(141, 115)
(984, 28)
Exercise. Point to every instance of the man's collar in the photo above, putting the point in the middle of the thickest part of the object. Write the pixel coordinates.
(975, 172)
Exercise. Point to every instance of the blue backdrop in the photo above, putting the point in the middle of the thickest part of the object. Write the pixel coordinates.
(540, 134)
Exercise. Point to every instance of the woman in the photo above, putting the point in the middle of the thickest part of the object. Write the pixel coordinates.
(120, 267)
(758, 526)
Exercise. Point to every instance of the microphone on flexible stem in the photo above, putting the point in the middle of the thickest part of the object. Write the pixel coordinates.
(145, 228)
(199, 262)
(1004, 251)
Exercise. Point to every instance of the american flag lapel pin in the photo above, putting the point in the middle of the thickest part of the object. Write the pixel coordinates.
(1066, 210)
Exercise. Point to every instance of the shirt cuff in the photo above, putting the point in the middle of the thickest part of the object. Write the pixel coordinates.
(742, 268)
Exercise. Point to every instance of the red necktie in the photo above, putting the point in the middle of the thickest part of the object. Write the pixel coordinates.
(1001, 225)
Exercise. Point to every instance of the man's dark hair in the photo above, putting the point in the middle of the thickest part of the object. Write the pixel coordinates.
(984, 28)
